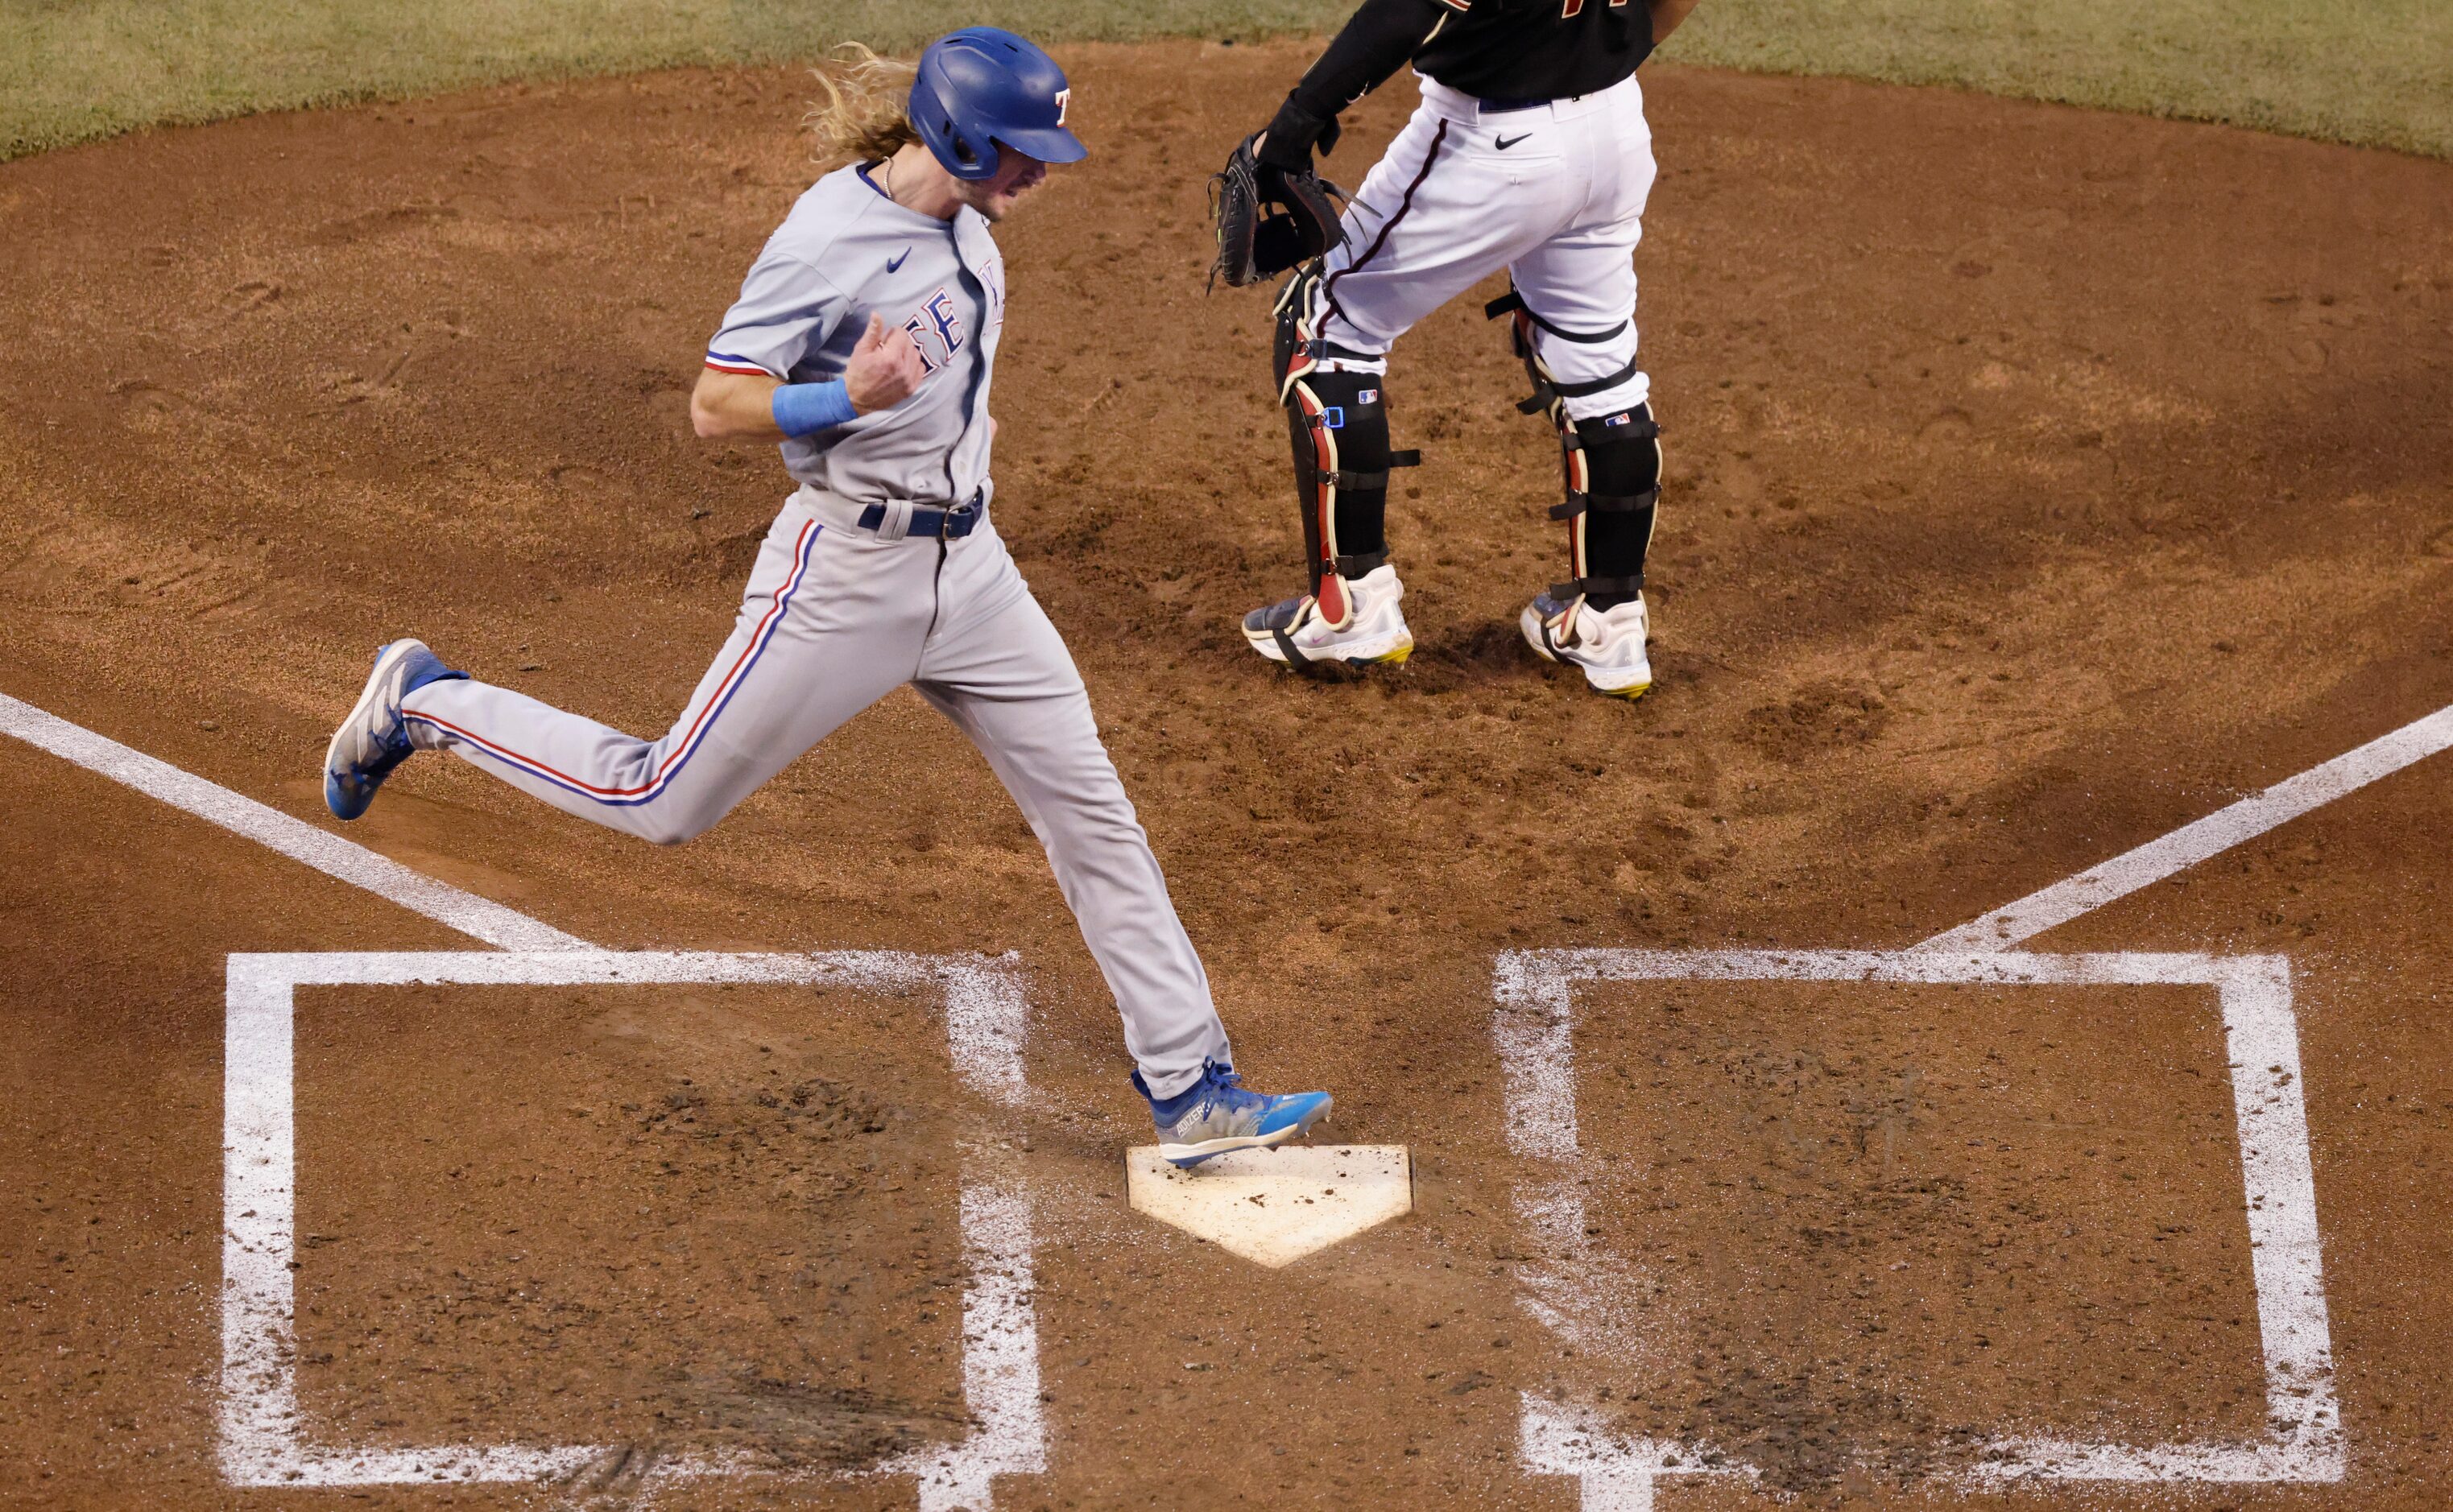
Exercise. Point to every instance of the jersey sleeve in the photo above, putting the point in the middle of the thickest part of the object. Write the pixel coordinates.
(1375, 43)
(786, 307)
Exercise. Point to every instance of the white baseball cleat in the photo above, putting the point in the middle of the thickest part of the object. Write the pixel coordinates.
(1218, 1114)
(1608, 644)
(1296, 634)
(374, 739)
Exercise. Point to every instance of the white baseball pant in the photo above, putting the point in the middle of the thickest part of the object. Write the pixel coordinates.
(1553, 192)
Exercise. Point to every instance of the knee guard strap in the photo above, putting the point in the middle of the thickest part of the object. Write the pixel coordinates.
(1547, 390)
(1513, 303)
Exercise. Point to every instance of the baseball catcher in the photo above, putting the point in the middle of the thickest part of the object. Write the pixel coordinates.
(1529, 152)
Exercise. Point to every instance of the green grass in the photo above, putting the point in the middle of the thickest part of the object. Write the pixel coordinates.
(2376, 71)
(74, 69)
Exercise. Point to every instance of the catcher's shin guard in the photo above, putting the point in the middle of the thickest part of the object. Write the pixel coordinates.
(1611, 466)
(1339, 431)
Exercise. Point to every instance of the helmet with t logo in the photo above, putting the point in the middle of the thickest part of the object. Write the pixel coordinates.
(984, 88)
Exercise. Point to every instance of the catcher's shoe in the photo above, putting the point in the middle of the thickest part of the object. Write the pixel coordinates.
(1294, 633)
(1216, 1114)
(1608, 644)
(374, 739)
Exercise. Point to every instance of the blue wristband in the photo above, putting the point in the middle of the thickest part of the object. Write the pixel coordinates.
(803, 409)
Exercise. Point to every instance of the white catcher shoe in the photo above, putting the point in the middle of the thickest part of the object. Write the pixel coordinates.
(1608, 644)
(1294, 633)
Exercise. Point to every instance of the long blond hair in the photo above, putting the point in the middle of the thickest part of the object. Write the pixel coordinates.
(863, 117)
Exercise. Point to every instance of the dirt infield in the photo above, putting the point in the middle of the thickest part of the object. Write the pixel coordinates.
(2038, 482)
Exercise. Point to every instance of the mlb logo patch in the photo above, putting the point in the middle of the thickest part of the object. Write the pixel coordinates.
(1617, 420)
(1368, 396)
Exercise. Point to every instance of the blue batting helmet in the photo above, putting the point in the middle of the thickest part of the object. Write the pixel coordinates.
(982, 86)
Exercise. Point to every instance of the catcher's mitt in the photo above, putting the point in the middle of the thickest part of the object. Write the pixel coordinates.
(1254, 240)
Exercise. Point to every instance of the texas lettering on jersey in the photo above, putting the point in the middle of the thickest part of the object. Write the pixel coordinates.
(936, 330)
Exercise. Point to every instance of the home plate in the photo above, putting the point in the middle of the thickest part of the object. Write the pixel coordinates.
(1275, 1205)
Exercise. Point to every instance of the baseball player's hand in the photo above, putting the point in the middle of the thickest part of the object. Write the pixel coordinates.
(1270, 218)
(885, 367)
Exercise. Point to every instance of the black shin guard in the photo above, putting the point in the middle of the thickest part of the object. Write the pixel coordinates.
(1613, 483)
(1622, 455)
(1612, 466)
(1339, 431)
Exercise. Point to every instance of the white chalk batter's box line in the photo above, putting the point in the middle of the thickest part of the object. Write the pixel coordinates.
(264, 1440)
(1534, 1023)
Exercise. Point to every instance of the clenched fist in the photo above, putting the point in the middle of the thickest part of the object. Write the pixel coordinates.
(885, 367)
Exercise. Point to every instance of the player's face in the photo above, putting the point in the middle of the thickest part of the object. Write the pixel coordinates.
(1017, 174)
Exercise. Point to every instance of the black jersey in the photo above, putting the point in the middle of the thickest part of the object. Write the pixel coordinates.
(1536, 49)
(1497, 50)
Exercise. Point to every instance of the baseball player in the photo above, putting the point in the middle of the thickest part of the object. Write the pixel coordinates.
(865, 341)
(1529, 152)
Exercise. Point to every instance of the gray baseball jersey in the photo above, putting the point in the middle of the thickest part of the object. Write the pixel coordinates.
(837, 614)
(848, 251)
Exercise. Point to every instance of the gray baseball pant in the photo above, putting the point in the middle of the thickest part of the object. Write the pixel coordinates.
(832, 620)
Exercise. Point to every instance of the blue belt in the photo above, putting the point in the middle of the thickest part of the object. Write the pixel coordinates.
(898, 518)
(1503, 107)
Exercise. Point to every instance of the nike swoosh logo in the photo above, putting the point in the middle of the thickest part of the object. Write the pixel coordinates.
(896, 261)
(1506, 142)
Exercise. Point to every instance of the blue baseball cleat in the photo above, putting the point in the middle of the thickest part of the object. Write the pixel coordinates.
(1216, 1114)
(374, 739)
